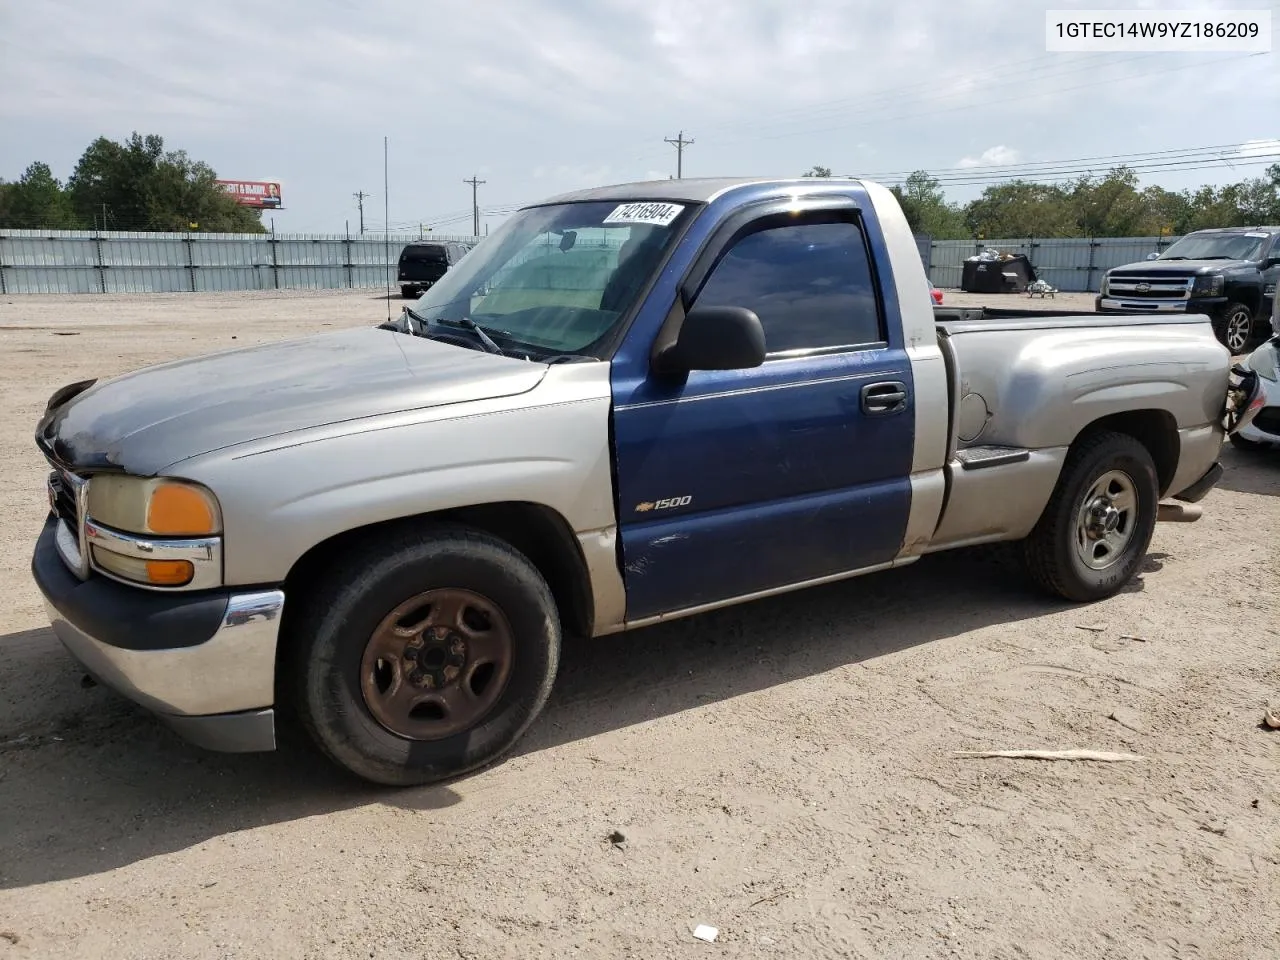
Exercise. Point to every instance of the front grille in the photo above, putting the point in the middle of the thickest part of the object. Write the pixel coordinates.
(1161, 286)
(1268, 420)
(64, 500)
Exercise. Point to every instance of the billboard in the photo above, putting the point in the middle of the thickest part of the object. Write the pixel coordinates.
(261, 194)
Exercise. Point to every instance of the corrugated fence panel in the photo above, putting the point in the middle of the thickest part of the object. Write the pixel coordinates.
(145, 263)
(1070, 264)
(66, 262)
(1063, 263)
(231, 262)
(82, 261)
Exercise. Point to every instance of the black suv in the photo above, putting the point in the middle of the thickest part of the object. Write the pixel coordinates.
(1229, 274)
(422, 264)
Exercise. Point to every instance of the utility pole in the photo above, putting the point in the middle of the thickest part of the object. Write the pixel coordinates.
(475, 205)
(679, 143)
(360, 195)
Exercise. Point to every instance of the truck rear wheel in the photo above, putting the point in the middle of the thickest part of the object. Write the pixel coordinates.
(425, 656)
(1234, 327)
(1098, 523)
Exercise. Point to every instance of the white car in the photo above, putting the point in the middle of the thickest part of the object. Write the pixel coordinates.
(1262, 426)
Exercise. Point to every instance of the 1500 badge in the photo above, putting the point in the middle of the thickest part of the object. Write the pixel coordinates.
(668, 504)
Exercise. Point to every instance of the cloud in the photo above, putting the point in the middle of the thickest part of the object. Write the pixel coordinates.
(1000, 156)
(585, 91)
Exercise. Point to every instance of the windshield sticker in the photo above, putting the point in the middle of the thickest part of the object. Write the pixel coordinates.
(659, 214)
(1262, 236)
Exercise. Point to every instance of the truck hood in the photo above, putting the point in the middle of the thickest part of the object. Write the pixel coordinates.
(144, 421)
(1185, 267)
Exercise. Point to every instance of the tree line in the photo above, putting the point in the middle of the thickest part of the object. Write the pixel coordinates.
(1091, 206)
(134, 185)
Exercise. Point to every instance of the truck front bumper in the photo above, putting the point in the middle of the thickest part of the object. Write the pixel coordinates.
(1120, 304)
(204, 662)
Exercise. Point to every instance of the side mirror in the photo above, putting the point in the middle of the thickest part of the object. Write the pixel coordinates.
(715, 338)
(1153, 256)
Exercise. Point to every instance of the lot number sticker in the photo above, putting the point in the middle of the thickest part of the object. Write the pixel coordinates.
(659, 214)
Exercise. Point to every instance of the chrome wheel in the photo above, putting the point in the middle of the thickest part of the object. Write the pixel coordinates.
(436, 664)
(1106, 520)
(1239, 324)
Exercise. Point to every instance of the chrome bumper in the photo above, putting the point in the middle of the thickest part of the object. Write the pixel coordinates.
(217, 694)
(1144, 305)
(232, 671)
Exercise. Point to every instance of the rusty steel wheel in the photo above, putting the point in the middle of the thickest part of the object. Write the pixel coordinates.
(436, 664)
(421, 653)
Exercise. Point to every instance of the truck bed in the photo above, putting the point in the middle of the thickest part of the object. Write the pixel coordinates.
(1045, 318)
(1023, 384)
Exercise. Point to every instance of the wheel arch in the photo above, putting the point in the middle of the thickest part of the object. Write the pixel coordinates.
(1157, 430)
(539, 532)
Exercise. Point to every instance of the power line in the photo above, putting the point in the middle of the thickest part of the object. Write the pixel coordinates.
(475, 205)
(1117, 159)
(679, 143)
(1049, 176)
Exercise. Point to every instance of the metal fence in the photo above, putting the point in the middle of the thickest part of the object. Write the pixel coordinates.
(1075, 265)
(82, 261)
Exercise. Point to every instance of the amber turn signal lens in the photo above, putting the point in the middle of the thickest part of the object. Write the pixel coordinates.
(170, 573)
(180, 510)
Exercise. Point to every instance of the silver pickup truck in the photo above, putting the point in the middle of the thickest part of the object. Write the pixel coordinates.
(626, 405)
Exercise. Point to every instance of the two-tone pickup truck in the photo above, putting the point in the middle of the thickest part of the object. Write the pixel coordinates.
(626, 405)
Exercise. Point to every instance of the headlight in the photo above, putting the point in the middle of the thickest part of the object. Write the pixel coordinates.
(1102, 287)
(160, 506)
(1263, 362)
(1209, 286)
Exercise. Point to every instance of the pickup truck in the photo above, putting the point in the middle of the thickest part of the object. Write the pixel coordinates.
(626, 405)
(1229, 274)
(423, 264)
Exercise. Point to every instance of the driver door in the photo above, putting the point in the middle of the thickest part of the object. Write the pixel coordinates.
(737, 482)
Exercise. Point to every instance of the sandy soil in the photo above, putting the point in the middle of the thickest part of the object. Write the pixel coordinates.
(784, 771)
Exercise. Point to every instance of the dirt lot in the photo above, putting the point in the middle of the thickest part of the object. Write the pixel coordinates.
(784, 771)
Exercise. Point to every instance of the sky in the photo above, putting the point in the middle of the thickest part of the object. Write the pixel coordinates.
(538, 97)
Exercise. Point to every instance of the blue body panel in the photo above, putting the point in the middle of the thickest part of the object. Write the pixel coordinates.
(786, 478)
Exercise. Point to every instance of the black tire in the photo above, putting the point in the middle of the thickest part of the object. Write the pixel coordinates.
(1050, 552)
(408, 293)
(1234, 327)
(1244, 443)
(344, 608)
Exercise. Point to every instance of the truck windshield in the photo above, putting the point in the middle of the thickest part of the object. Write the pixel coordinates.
(557, 279)
(1217, 246)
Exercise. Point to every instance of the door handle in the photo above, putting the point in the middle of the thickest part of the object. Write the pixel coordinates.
(882, 398)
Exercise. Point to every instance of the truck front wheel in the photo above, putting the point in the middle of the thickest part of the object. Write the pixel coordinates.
(1234, 327)
(424, 656)
(1098, 523)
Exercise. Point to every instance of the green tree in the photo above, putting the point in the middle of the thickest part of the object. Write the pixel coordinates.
(819, 172)
(37, 200)
(1110, 206)
(1022, 209)
(926, 208)
(1168, 212)
(137, 185)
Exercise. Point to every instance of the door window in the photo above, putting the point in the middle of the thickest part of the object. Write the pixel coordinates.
(809, 283)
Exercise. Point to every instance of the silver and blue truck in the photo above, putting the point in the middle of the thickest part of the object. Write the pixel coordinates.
(626, 405)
